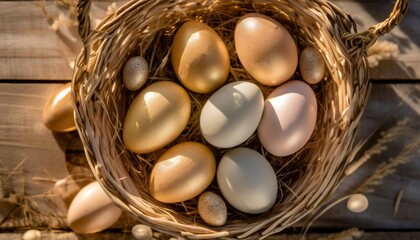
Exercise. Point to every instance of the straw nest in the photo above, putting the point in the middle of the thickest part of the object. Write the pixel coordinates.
(140, 27)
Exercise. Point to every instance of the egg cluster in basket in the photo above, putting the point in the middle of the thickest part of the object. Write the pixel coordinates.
(265, 111)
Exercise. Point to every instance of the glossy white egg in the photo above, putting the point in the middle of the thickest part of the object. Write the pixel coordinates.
(231, 115)
(247, 180)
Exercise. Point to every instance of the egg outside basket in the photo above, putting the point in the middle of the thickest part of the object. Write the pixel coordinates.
(141, 27)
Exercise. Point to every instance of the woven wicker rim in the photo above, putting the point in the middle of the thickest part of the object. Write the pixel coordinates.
(100, 102)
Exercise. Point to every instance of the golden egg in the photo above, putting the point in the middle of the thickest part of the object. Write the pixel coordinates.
(266, 49)
(182, 172)
(58, 110)
(199, 57)
(157, 116)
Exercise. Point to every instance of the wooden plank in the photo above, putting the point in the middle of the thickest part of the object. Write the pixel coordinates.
(30, 50)
(385, 108)
(24, 139)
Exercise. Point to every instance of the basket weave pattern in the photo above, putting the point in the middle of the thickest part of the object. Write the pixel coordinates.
(145, 28)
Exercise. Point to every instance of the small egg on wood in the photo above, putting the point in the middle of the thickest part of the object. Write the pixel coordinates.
(135, 73)
(357, 203)
(142, 232)
(212, 209)
(311, 65)
(32, 234)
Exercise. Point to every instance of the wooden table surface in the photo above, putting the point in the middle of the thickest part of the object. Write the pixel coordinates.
(35, 60)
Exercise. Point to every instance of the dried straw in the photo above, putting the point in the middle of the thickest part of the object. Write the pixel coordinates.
(146, 28)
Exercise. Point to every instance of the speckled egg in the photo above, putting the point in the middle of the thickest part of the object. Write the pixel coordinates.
(212, 209)
(311, 65)
(135, 73)
(266, 49)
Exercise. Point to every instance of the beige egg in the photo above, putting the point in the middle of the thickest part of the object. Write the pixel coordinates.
(266, 49)
(92, 210)
(289, 118)
(182, 172)
(32, 234)
(156, 117)
(212, 209)
(199, 57)
(311, 65)
(357, 203)
(58, 110)
(135, 73)
(142, 232)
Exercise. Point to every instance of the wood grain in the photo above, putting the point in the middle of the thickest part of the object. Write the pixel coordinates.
(31, 50)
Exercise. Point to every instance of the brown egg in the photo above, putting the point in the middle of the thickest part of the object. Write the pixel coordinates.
(58, 110)
(311, 65)
(182, 172)
(157, 116)
(266, 49)
(199, 57)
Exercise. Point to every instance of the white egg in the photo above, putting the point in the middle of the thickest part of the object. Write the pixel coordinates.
(247, 180)
(231, 115)
(92, 210)
(142, 232)
(212, 209)
(311, 65)
(135, 73)
(357, 203)
(32, 235)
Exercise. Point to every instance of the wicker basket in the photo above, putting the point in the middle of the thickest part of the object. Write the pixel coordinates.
(145, 27)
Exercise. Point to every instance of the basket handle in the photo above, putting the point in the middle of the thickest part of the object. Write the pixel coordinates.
(83, 9)
(368, 37)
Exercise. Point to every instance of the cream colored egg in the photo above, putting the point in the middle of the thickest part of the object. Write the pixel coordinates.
(289, 118)
(247, 180)
(135, 73)
(311, 65)
(182, 172)
(142, 232)
(199, 57)
(231, 114)
(32, 234)
(156, 117)
(212, 209)
(266, 49)
(58, 110)
(357, 203)
(92, 210)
